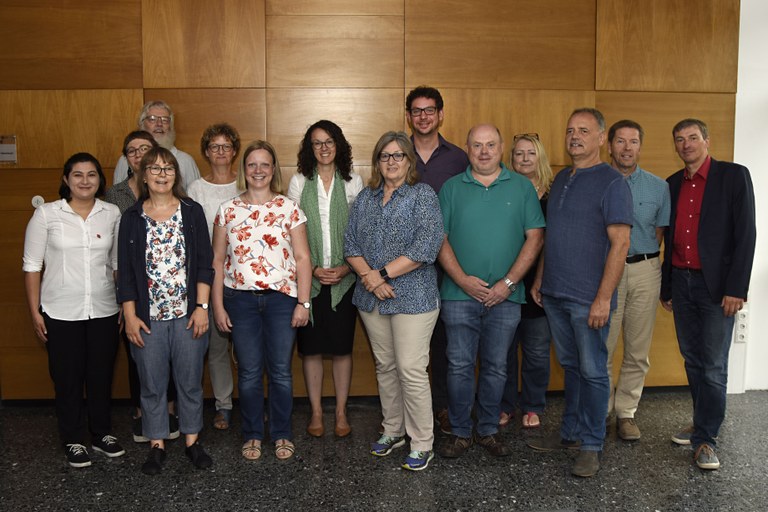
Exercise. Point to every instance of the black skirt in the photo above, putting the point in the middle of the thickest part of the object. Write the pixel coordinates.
(332, 332)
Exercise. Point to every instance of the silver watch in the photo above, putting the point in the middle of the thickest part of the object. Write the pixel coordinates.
(510, 284)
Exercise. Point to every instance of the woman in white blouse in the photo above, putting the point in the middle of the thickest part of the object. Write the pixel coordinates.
(72, 303)
(220, 145)
(324, 187)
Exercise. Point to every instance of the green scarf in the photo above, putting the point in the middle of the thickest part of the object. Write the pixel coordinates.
(339, 216)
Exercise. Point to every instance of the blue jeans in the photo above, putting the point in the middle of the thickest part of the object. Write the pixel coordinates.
(534, 337)
(583, 354)
(170, 344)
(704, 335)
(475, 329)
(263, 337)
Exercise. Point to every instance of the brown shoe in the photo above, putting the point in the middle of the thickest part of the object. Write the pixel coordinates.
(455, 446)
(628, 429)
(315, 427)
(342, 428)
(441, 418)
(587, 464)
(553, 442)
(494, 444)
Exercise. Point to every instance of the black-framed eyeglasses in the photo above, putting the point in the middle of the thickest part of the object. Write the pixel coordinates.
(330, 144)
(521, 135)
(398, 156)
(416, 111)
(215, 148)
(156, 170)
(138, 151)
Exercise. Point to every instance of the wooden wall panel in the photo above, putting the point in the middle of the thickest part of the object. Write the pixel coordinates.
(334, 7)
(363, 114)
(52, 125)
(70, 44)
(658, 45)
(658, 112)
(335, 51)
(197, 43)
(526, 44)
(514, 111)
(196, 109)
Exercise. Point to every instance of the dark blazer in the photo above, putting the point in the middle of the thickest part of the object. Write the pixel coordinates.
(132, 256)
(727, 231)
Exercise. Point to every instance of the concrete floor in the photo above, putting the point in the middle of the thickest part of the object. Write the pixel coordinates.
(339, 474)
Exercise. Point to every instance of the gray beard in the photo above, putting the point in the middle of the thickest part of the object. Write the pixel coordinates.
(166, 141)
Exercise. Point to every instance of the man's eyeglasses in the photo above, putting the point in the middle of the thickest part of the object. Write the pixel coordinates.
(158, 119)
(398, 157)
(156, 170)
(416, 111)
(521, 135)
(138, 151)
(215, 148)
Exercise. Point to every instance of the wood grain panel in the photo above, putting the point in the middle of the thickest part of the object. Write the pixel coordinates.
(363, 114)
(335, 51)
(658, 45)
(24, 373)
(52, 125)
(196, 109)
(197, 43)
(526, 44)
(514, 111)
(658, 112)
(70, 44)
(331, 7)
(13, 225)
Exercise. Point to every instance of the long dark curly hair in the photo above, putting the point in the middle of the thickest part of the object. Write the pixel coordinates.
(306, 155)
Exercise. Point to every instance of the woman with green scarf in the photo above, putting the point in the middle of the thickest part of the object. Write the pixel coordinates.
(324, 187)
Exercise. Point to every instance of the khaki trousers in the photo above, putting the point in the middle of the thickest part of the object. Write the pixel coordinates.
(400, 345)
(635, 316)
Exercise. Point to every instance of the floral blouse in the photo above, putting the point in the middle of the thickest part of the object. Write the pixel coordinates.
(166, 268)
(259, 250)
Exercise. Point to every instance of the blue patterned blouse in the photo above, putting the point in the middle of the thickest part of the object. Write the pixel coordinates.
(410, 225)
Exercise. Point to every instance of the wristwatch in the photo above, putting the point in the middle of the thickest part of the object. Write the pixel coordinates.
(383, 273)
(306, 305)
(204, 305)
(510, 284)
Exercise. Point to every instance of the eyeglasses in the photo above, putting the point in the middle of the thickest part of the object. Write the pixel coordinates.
(138, 151)
(521, 135)
(216, 148)
(156, 170)
(158, 119)
(416, 111)
(330, 144)
(398, 157)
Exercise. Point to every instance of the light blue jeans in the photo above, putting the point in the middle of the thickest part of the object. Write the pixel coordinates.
(170, 345)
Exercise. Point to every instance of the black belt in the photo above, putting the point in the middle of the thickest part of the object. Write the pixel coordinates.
(642, 257)
(689, 270)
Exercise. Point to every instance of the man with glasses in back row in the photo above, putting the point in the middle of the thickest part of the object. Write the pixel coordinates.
(156, 117)
(437, 160)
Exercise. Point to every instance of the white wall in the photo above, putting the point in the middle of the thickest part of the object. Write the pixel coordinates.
(748, 361)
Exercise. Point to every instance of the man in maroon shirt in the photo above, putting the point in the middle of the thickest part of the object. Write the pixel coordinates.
(708, 251)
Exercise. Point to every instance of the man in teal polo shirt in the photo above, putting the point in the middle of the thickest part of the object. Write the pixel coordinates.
(494, 233)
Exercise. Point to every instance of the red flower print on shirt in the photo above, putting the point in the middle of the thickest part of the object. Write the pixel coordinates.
(270, 240)
(271, 218)
(262, 285)
(238, 278)
(295, 216)
(258, 266)
(254, 215)
(286, 254)
(229, 216)
(279, 201)
(243, 232)
(241, 251)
